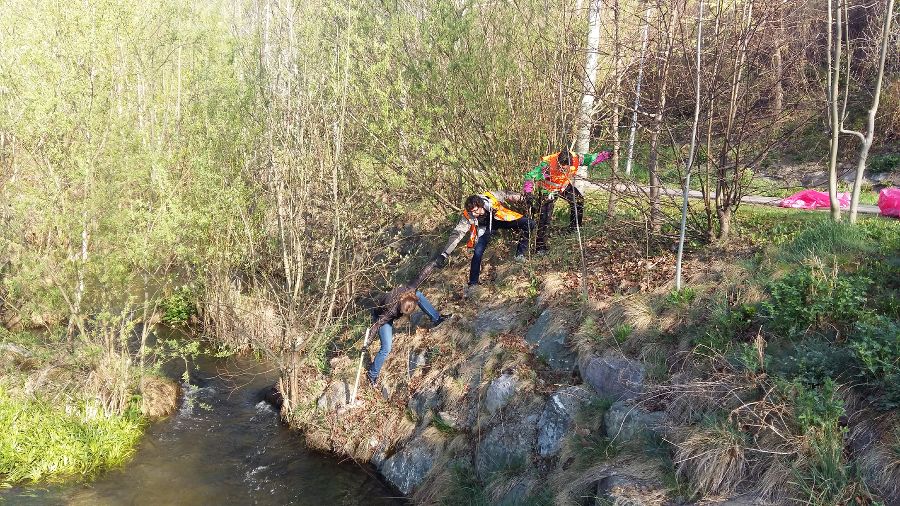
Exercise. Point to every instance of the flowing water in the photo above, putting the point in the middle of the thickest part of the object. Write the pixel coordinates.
(224, 446)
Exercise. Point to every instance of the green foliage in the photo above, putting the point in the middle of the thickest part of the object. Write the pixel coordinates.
(824, 475)
(179, 307)
(726, 323)
(465, 489)
(622, 332)
(592, 448)
(884, 163)
(812, 299)
(440, 424)
(684, 297)
(43, 442)
(179, 349)
(876, 346)
(814, 361)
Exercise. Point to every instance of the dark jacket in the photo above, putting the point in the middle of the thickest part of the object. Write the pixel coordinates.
(388, 308)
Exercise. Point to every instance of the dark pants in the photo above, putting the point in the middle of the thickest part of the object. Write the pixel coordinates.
(523, 224)
(576, 213)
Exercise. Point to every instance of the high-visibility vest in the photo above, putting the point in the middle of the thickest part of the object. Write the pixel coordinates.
(502, 213)
(556, 179)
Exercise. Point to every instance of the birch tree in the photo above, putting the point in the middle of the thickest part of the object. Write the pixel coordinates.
(835, 31)
(589, 85)
(645, 36)
(866, 138)
(690, 161)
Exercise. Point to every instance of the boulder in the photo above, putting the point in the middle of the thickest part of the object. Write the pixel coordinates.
(336, 396)
(159, 396)
(499, 392)
(500, 319)
(550, 335)
(625, 421)
(508, 444)
(407, 468)
(417, 359)
(14, 355)
(613, 376)
(557, 418)
(424, 402)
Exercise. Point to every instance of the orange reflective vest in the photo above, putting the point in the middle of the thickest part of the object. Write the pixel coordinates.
(502, 213)
(556, 179)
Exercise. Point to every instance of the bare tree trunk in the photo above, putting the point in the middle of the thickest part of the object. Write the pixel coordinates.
(659, 117)
(645, 36)
(778, 99)
(690, 160)
(616, 113)
(727, 191)
(589, 89)
(873, 110)
(834, 74)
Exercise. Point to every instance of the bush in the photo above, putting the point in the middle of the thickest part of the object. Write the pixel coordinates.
(179, 307)
(725, 324)
(814, 361)
(811, 299)
(876, 346)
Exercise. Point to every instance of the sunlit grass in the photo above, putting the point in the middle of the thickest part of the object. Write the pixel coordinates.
(43, 442)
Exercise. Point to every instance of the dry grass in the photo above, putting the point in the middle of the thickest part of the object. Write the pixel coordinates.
(713, 459)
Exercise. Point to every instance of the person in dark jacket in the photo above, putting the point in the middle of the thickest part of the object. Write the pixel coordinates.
(400, 301)
(482, 215)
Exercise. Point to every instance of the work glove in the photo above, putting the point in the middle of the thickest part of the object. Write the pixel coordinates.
(441, 260)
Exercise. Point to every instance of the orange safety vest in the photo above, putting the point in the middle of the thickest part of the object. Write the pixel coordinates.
(557, 179)
(500, 212)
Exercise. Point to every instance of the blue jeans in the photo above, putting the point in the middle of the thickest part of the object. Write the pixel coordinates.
(386, 336)
(523, 224)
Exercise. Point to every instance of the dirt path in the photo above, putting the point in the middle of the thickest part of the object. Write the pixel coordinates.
(675, 195)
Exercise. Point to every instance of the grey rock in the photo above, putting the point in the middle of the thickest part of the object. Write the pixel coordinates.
(424, 402)
(812, 179)
(508, 444)
(499, 392)
(557, 417)
(407, 468)
(614, 376)
(516, 495)
(498, 320)
(625, 421)
(336, 396)
(550, 335)
(449, 419)
(12, 354)
(417, 359)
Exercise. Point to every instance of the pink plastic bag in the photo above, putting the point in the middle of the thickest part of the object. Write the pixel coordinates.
(812, 199)
(889, 201)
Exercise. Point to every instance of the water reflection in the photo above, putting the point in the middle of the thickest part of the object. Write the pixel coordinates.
(224, 446)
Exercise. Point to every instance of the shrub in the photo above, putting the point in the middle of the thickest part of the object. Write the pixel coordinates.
(813, 361)
(725, 324)
(876, 346)
(811, 299)
(179, 307)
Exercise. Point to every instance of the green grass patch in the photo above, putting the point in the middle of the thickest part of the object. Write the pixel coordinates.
(43, 442)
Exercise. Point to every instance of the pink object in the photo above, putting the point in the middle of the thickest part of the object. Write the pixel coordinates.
(889, 201)
(601, 157)
(812, 199)
(528, 187)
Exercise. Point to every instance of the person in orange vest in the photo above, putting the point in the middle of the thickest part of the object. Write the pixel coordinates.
(483, 215)
(553, 177)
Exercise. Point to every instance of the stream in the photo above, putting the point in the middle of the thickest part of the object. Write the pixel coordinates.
(225, 445)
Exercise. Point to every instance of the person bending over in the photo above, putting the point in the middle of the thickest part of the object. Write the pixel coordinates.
(483, 215)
